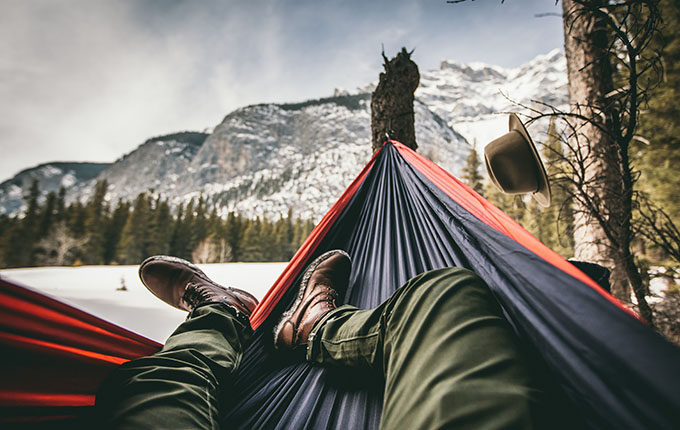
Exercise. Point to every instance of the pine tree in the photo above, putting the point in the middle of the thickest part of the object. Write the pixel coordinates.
(290, 231)
(512, 205)
(75, 216)
(298, 234)
(96, 214)
(559, 217)
(183, 238)
(198, 227)
(29, 227)
(608, 75)
(307, 227)
(161, 220)
(217, 240)
(471, 175)
(114, 230)
(135, 240)
(11, 238)
(47, 214)
(301, 230)
(61, 204)
(6, 226)
(537, 221)
(215, 225)
(234, 230)
(179, 236)
(658, 156)
(553, 225)
(252, 249)
(283, 236)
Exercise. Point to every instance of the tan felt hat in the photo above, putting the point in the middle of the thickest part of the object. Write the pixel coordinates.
(514, 166)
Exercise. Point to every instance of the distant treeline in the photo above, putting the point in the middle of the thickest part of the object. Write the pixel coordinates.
(96, 232)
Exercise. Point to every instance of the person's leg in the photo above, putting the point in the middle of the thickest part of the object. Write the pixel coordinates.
(449, 357)
(186, 383)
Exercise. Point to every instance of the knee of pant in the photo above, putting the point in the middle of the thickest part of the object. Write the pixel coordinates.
(439, 282)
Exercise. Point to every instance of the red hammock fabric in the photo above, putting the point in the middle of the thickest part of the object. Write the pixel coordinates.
(53, 356)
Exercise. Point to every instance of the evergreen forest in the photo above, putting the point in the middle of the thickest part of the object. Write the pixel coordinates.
(52, 233)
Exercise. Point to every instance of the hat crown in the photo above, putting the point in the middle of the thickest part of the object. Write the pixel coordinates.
(511, 164)
(514, 166)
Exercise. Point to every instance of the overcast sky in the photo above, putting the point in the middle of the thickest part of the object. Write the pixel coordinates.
(89, 80)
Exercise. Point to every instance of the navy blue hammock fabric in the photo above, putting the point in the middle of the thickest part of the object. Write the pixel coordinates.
(402, 216)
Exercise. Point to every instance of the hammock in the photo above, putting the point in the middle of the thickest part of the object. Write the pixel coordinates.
(401, 216)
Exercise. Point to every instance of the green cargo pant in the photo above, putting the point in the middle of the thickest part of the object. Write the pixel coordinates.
(183, 386)
(449, 359)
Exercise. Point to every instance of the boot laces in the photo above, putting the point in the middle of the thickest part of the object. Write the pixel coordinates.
(195, 294)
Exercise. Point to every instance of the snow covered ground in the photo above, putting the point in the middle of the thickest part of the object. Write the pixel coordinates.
(95, 289)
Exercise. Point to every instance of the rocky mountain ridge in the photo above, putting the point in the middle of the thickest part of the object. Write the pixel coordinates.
(263, 159)
(51, 176)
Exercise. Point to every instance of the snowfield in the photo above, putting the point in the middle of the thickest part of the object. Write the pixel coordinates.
(96, 289)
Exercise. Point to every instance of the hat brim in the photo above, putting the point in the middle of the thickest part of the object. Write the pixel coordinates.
(542, 195)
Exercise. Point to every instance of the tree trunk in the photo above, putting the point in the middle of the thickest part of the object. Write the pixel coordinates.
(590, 79)
(392, 102)
(603, 180)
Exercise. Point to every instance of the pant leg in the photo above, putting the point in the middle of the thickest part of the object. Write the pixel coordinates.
(449, 358)
(186, 383)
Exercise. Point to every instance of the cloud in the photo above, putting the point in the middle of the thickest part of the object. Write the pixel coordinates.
(89, 82)
(84, 80)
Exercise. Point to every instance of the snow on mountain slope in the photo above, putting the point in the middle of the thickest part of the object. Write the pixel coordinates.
(474, 97)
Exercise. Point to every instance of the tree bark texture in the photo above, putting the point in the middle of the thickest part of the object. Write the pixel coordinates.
(392, 102)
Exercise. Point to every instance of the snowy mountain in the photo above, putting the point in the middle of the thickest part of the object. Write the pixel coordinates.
(267, 158)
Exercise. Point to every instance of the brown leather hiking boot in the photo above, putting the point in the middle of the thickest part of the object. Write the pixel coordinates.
(323, 281)
(183, 285)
